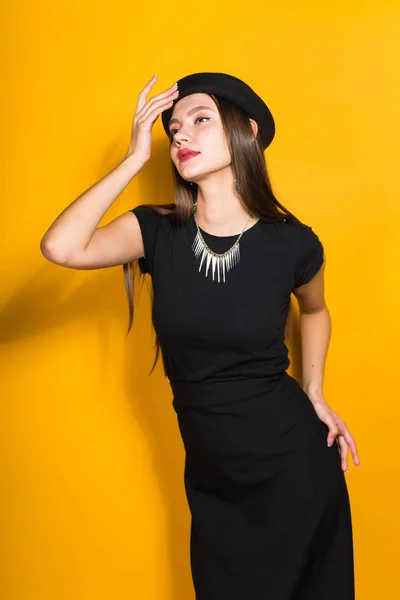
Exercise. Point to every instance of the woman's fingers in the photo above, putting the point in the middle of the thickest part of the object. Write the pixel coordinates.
(343, 451)
(352, 445)
(164, 100)
(141, 101)
(143, 93)
(333, 429)
(161, 95)
(143, 107)
(348, 439)
(346, 436)
(337, 429)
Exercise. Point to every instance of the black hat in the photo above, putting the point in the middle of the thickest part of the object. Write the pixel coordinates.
(231, 88)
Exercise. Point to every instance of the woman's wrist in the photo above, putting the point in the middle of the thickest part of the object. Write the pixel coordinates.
(314, 392)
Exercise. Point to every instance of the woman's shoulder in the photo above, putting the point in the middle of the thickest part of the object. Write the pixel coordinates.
(306, 243)
(154, 210)
(290, 225)
(155, 215)
(302, 231)
(151, 218)
(293, 233)
(294, 227)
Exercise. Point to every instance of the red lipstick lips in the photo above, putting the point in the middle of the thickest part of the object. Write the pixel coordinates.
(185, 154)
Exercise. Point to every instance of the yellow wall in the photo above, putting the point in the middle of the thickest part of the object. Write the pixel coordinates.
(92, 500)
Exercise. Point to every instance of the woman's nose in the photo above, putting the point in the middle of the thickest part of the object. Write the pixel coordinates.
(182, 134)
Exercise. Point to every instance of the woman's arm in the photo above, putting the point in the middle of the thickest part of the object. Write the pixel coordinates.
(315, 331)
(75, 239)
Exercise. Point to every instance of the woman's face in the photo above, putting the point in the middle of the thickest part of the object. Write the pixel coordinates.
(201, 130)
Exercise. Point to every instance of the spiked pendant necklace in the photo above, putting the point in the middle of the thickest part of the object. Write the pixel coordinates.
(220, 263)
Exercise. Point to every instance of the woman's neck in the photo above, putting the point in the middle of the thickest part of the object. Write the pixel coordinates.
(223, 218)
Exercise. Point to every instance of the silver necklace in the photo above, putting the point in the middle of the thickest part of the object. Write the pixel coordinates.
(219, 262)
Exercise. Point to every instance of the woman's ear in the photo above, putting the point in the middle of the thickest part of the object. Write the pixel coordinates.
(254, 126)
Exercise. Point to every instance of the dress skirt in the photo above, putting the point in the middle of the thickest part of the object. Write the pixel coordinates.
(270, 511)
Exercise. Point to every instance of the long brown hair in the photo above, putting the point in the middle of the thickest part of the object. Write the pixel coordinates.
(252, 179)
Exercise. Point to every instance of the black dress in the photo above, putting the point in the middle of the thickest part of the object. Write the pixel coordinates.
(268, 498)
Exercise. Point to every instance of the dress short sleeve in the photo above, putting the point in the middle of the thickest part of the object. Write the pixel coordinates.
(310, 255)
(148, 222)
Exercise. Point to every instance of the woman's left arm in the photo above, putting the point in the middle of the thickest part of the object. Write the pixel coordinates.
(315, 331)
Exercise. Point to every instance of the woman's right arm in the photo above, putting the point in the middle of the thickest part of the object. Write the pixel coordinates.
(74, 239)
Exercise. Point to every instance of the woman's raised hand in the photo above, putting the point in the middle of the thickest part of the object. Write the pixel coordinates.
(145, 116)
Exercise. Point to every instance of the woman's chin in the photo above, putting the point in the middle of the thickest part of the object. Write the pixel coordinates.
(188, 175)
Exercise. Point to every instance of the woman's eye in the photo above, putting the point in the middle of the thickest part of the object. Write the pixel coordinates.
(198, 118)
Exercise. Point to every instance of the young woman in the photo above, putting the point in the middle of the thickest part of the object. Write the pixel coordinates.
(265, 457)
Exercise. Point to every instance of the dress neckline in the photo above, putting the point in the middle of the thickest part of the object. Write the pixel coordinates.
(226, 237)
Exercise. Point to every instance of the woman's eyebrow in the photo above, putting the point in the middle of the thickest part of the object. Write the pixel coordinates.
(191, 111)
